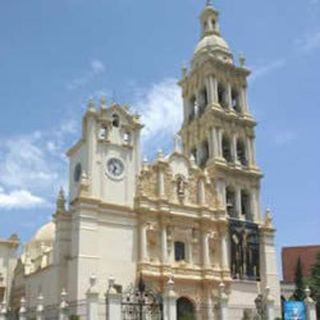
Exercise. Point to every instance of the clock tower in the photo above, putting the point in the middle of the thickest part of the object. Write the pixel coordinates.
(106, 159)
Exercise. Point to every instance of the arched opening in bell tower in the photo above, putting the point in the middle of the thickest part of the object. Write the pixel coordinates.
(222, 95)
(231, 202)
(226, 148)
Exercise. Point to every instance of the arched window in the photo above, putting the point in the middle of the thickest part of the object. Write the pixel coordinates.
(241, 152)
(231, 202)
(103, 133)
(204, 154)
(185, 309)
(179, 251)
(226, 148)
(127, 137)
(192, 107)
(222, 95)
(235, 100)
(115, 120)
(246, 205)
(203, 100)
(193, 153)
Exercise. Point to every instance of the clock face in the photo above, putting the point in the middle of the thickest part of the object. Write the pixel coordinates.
(115, 167)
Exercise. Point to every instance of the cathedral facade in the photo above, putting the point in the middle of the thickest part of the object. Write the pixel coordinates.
(192, 216)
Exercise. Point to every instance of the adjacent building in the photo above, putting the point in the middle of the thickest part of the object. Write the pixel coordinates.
(8, 260)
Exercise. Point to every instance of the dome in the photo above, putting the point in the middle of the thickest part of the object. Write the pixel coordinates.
(212, 42)
(46, 233)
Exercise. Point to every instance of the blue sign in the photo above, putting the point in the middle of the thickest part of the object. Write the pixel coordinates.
(294, 310)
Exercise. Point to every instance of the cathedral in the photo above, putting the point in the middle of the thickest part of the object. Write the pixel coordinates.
(192, 216)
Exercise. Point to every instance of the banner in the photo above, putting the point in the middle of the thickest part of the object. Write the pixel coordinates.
(294, 310)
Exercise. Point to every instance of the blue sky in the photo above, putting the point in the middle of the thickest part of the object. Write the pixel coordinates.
(56, 54)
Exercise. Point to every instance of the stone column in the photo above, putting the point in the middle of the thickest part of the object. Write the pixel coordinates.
(269, 305)
(228, 97)
(224, 249)
(244, 102)
(40, 308)
(113, 299)
(310, 306)
(201, 191)
(161, 183)
(205, 249)
(143, 242)
(64, 307)
(223, 303)
(268, 266)
(215, 89)
(238, 203)
(219, 131)
(170, 302)
(3, 310)
(210, 314)
(215, 143)
(22, 309)
(92, 297)
(251, 151)
(234, 149)
(164, 243)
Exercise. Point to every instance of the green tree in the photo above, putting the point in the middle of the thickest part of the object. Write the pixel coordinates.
(315, 282)
(298, 294)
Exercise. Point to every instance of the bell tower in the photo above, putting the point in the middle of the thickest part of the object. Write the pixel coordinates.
(218, 128)
(105, 161)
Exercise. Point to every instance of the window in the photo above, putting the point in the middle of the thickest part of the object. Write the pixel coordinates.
(179, 251)
(241, 153)
(235, 100)
(192, 111)
(226, 148)
(103, 133)
(231, 202)
(115, 121)
(222, 95)
(245, 204)
(213, 23)
(204, 156)
(127, 137)
(203, 100)
(194, 154)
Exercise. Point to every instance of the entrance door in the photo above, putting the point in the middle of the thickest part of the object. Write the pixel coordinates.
(185, 309)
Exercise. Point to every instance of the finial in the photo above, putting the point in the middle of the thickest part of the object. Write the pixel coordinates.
(159, 154)
(242, 60)
(91, 105)
(103, 102)
(177, 143)
(208, 3)
(61, 201)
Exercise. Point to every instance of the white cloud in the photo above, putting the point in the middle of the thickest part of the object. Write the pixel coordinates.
(96, 68)
(20, 199)
(284, 138)
(261, 71)
(34, 164)
(161, 109)
(309, 42)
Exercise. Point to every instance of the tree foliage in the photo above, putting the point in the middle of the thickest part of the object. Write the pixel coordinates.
(299, 294)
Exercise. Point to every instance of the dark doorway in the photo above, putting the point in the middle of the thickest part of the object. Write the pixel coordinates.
(185, 309)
